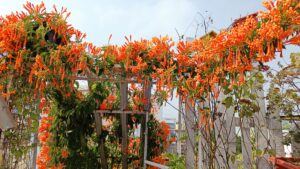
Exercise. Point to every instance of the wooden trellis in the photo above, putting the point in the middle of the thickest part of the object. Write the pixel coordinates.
(268, 135)
(124, 112)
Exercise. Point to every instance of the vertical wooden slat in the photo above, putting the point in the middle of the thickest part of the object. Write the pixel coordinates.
(261, 131)
(226, 136)
(124, 103)
(142, 138)
(231, 135)
(35, 137)
(246, 143)
(1, 148)
(190, 141)
(203, 146)
(35, 149)
(147, 108)
(179, 126)
(98, 121)
(260, 124)
(220, 134)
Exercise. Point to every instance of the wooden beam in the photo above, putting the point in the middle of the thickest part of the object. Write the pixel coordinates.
(98, 121)
(290, 118)
(115, 80)
(124, 103)
(147, 107)
(119, 112)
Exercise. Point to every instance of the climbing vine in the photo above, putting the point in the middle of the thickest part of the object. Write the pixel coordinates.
(42, 51)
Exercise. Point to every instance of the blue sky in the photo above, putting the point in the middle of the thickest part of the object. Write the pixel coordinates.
(145, 19)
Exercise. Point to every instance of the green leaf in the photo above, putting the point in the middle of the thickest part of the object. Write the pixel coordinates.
(228, 102)
(295, 58)
(227, 91)
(122, 65)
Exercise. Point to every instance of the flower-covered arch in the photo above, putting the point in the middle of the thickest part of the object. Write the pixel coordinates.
(40, 51)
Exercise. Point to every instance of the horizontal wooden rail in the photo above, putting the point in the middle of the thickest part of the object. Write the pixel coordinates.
(292, 117)
(156, 165)
(115, 80)
(119, 112)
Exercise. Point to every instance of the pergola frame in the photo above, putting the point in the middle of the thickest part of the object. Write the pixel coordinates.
(123, 105)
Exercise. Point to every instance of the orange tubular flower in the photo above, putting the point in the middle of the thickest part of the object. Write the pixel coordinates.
(64, 153)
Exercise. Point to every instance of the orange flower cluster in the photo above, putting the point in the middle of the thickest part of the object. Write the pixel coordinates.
(38, 44)
(163, 135)
(192, 67)
(44, 158)
(195, 67)
(108, 103)
(133, 145)
(138, 97)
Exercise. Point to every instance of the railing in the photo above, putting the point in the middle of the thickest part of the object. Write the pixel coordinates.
(156, 165)
(285, 163)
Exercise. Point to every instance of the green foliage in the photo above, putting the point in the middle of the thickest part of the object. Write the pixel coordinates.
(73, 129)
(228, 102)
(25, 110)
(284, 89)
(175, 161)
(157, 137)
(284, 93)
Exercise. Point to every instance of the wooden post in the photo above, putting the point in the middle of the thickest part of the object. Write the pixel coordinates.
(34, 156)
(142, 138)
(231, 135)
(124, 102)
(203, 146)
(103, 160)
(220, 134)
(190, 142)
(35, 137)
(179, 126)
(147, 108)
(1, 148)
